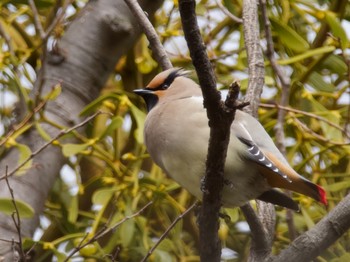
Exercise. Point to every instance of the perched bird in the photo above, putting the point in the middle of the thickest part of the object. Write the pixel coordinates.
(177, 134)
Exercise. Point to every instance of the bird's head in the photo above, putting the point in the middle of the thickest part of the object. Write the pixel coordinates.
(164, 85)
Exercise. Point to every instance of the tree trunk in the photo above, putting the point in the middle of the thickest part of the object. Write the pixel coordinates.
(85, 55)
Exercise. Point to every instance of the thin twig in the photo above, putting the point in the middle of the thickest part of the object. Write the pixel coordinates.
(61, 133)
(40, 80)
(16, 218)
(38, 26)
(8, 241)
(58, 19)
(23, 122)
(319, 137)
(285, 81)
(148, 29)
(228, 13)
(105, 230)
(314, 116)
(165, 234)
(7, 40)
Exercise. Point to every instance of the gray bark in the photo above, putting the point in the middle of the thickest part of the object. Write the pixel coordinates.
(312, 243)
(261, 237)
(103, 32)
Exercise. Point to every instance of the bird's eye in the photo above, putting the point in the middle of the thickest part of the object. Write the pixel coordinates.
(164, 86)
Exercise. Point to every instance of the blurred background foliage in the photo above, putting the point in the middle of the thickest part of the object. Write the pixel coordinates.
(109, 176)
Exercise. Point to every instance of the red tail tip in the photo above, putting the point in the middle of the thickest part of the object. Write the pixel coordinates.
(322, 193)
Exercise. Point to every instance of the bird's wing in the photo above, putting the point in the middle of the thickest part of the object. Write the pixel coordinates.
(271, 163)
(256, 155)
(281, 175)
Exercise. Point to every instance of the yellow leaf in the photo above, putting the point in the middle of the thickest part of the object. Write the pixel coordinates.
(24, 154)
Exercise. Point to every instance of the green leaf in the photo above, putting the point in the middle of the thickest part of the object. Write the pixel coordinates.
(92, 107)
(127, 229)
(21, 130)
(333, 116)
(307, 54)
(102, 196)
(54, 93)
(140, 120)
(73, 209)
(330, 132)
(337, 29)
(308, 220)
(289, 37)
(24, 154)
(163, 255)
(317, 82)
(61, 257)
(116, 123)
(143, 59)
(166, 245)
(230, 6)
(338, 186)
(42, 132)
(24, 210)
(269, 81)
(73, 149)
(335, 64)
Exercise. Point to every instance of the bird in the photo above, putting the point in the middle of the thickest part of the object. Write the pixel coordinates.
(176, 135)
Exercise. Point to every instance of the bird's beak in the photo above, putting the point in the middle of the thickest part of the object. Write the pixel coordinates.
(142, 92)
(149, 96)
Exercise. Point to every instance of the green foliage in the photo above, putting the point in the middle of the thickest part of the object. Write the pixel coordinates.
(114, 177)
(10, 207)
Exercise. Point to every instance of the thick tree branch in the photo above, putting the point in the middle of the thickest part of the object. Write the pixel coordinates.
(313, 242)
(220, 119)
(260, 238)
(254, 54)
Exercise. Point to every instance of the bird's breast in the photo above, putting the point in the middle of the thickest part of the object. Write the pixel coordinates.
(177, 135)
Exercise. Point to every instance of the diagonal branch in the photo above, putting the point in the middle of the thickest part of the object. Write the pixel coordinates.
(309, 245)
(151, 34)
(165, 234)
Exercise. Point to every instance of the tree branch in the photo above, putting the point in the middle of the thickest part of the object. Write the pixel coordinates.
(148, 29)
(164, 235)
(309, 245)
(228, 13)
(220, 119)
(104, 231)
(260, 238)
(48, 143)
(266, 213)
(38, 26)
(285, 84)
(254, 54)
